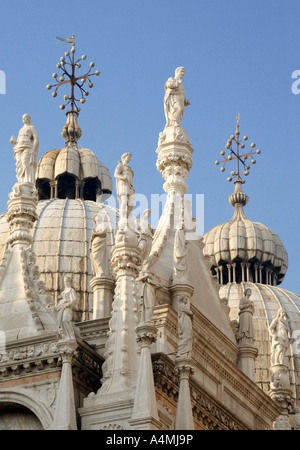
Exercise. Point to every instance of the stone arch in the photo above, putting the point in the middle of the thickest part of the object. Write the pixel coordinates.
(21, 396)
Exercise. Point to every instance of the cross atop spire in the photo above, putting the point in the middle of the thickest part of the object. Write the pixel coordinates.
(234, 146)
(68, 66)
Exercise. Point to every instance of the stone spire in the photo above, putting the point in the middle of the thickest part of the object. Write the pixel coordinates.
(174, 161)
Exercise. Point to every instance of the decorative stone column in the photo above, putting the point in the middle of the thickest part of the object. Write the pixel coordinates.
(103, 291)
(65, 411)
(184, 415)
(120, 371)
(145, 415)
(21, 214)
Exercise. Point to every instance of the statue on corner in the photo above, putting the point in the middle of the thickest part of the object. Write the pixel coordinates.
(174, 100)
(246, 330)
(185, 328)
(65, 307)
(180, 253)
(149, 285)
(99, 250)
(124, 186)
(26, 149)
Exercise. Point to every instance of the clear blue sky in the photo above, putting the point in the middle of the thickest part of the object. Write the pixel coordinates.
(239, 58)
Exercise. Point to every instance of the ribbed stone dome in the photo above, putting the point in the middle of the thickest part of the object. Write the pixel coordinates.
(72, 172)
(242, 250)
(61, 241)
(267, 301)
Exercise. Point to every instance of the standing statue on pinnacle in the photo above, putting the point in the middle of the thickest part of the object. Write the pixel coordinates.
(124, 186)
(26, 149)
(174, 100)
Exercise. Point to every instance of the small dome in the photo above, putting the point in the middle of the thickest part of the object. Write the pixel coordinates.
(242, 250)
(72, 172)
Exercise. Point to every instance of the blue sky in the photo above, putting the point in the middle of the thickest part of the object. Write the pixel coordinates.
(239, 58)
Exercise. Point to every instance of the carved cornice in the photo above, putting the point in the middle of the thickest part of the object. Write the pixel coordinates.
(43, 357)
(29, 359)
(207, 413)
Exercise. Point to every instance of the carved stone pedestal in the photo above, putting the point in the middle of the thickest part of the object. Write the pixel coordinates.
(184, 415)
(103, 289)
(145, 415)
(246, 360)
(280, 388)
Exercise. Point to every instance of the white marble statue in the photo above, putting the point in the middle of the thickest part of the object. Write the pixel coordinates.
(185, 328)
(26, 149)
(67, 302)
(124, 186)
(148, 296)
(279, 331)
(99, 251)
(174, 100)
(145, 238)
(246, 331)
(180, 254)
